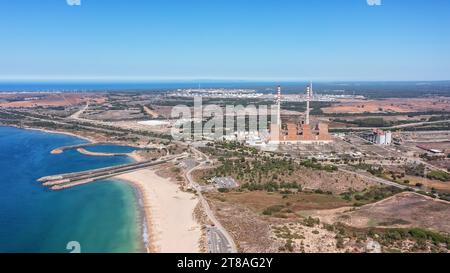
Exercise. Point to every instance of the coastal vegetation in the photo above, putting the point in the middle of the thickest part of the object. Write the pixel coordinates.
(374, 122)
(79, 127)
(257, 170)
(439, 175)
(294, 228)
(265, 172)
(392, 239)
(371, 195)
(316, 107)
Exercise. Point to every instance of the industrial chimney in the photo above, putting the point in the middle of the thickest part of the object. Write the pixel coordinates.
(308, 99)
(279, 107)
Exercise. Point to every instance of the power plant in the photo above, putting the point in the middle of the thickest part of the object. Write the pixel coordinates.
(378, 136)
(301, 132)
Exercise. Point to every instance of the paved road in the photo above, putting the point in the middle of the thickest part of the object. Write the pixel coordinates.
(217, 242)
(401, 126)
(81, 123)
(220, 239)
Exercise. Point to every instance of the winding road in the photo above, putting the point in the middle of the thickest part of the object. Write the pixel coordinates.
(220, 241)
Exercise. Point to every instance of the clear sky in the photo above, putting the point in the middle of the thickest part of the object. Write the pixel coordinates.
(225, 39)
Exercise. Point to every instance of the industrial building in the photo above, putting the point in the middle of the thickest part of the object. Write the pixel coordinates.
(379, 137)
(301, 132)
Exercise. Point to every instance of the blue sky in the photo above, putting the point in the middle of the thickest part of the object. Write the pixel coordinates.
(225, 39)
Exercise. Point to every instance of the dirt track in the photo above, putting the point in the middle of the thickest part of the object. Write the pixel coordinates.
(402, 210)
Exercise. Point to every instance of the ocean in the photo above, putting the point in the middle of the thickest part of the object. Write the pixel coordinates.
(107, 148)
(102, 216)
(372, 89)
(121, 86)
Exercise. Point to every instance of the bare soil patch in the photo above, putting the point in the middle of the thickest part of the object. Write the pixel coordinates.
(28, 100)
(397, 105)
(402, 210)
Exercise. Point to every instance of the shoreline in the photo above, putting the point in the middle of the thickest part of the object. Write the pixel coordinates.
(135, 157)
(131, 155)
(144, 220)
(143, 223)
(131, 239)
(168, 223)
(88, 139)
(144, 228)
(98, 154)
(53, 132)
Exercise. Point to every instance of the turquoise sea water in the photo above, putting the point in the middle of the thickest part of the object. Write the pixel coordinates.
(107, 148)
(101, 216)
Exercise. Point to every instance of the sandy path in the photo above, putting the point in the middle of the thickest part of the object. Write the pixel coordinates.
(169, 213)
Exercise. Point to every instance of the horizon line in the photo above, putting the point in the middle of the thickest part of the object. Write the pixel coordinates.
(46, 79)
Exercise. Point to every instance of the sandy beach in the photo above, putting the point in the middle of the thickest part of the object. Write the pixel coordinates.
(136, 157)
(57, 132)
(89, 153)
(170, 226)
(169, 213)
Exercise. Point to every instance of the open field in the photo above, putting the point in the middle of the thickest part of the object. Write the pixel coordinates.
(442, 146)
(259, 201)
(114, 115)
(337, 182)
(29, 100)
(429, 138)
(341, 229)
(429, 184)
(249, 216)
(250, 230)
(393, 105)
(402, 210)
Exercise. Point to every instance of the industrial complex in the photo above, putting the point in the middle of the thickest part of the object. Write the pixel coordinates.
(378, 136)
(300, 132)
